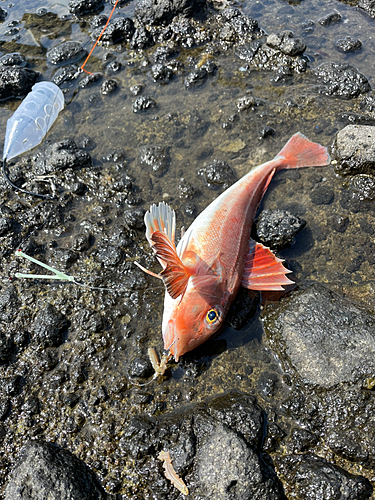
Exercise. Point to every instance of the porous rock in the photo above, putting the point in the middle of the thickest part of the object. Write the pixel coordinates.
(368, 6)
(331, 18)
(150, 12)
(66, 53)
(341, 80)
(217, 173)
(354, 150)
(156, 157)
(13, 59)
(60, 156)
(16, 81)
(314, 478)
(348, 44)
(83, 6)
(277, 228)
(286, 43)
(49, 326)
(47, 472)
(118, 30)
(143, 103)
(327, 338)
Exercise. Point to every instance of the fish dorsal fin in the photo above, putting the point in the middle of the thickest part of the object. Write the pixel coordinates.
(175, 274)
(160, 218)
(263, 270)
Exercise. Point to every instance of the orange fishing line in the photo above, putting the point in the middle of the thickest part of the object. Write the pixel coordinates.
(99, 37)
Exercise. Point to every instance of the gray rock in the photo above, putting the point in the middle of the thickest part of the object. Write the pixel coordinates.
(15, 81)
(348, 44)
(66, 53)
(354, 149)
(228, 469)
(47, 472)
(341, 80)
(327, 338)
(314, 478)
(286, 43)
(60, 156)
(142, 103)
(3, 14)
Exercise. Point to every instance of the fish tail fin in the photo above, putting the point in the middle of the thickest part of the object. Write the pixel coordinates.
(300, 152)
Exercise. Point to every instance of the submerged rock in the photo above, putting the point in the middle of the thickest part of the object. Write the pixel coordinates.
(217, 173)
(13, 59)
(60, 156)
(332, 18)
(368, 6)
(46, 471)
(354, 150)
(16, 81)
(66, 53)
(156, 157)
(348, 44)
(314, 478)
(342, 80)
(327, 338)
(143, 103)
(277, 228)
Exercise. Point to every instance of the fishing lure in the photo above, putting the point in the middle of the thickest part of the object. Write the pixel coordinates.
(170, 473)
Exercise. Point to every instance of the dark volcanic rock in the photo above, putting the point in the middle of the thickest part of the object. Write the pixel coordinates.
(5, 354)
(108, 86)
(235, 27)
(322, 195)
(151, 12)
(45, 471)
(348, 44)
(286, 43)
(156, 157)
(15, 81)
(65, 74)
(277, 228)
(368, 6)
(314, 478)
(83, 6)
(217, 173)
(328, 339)
(332, 18)
(342, 80)
(243, 308)
(9, 304)
(3, 14)
(354, 150)
(117, 30)
(196, 77)
(364, 186)
(13, 59)
(135, 218)
(142, 103)
(66, 53)
(161, 73)
(48, 327)
(60, 156)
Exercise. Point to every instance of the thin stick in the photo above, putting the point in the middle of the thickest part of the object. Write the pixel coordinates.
(99, 37)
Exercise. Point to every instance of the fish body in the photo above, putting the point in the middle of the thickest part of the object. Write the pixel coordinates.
(216, 255)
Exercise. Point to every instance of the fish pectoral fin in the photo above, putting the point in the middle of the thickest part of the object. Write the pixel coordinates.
(160, 218)
(175, 274)
(263, 270)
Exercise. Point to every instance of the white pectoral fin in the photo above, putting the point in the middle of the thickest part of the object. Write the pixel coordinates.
(163, 219)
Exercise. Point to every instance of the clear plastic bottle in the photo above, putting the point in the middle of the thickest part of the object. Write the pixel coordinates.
(33, 118)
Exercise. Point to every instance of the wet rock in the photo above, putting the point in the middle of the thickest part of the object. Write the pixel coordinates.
(196, 77)
(140, 367)
(108, 86)
(266, 132)
(347, 447)
(354, 150)
(15, 81)
(110, 256)
(142, 39)
(348, 44)
(368, 102)
(9, 304)
(186, 189)
(161, 73)
(228, 469)
(243, 308)
(322, 195)
(5, 407)
(13, 59)
(118, 30)
(82, 242)
(269, 59)
(218, 173)
(156, 158)
(83, 6)
(236, 28)
(149, 12)
(65, 74)
(332, 18)
(301, 440)
(49, 326)
(314, 478)
(286, 43)
(341, 80)
(135, 218)
(143, 103)
(328, 339)
(247, 102)
(60, 156)
(5, 349)
(3, 14)
(368, 6)
(89, 80)
(364, 186)
(66, 53)
(277, 228)
(339, 223)
(46, 471)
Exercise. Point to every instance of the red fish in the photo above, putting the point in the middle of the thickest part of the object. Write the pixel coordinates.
(216, 255)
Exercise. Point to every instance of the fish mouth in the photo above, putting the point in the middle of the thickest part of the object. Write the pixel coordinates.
(170, 339)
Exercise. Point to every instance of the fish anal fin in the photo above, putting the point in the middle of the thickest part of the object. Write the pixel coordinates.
(175, 275)
(263, 270)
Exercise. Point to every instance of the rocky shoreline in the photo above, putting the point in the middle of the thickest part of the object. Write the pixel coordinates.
(281, 404)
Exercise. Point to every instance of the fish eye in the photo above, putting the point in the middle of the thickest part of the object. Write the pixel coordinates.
(211, 316)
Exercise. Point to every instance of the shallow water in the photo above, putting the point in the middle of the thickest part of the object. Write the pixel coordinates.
(198, 125)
